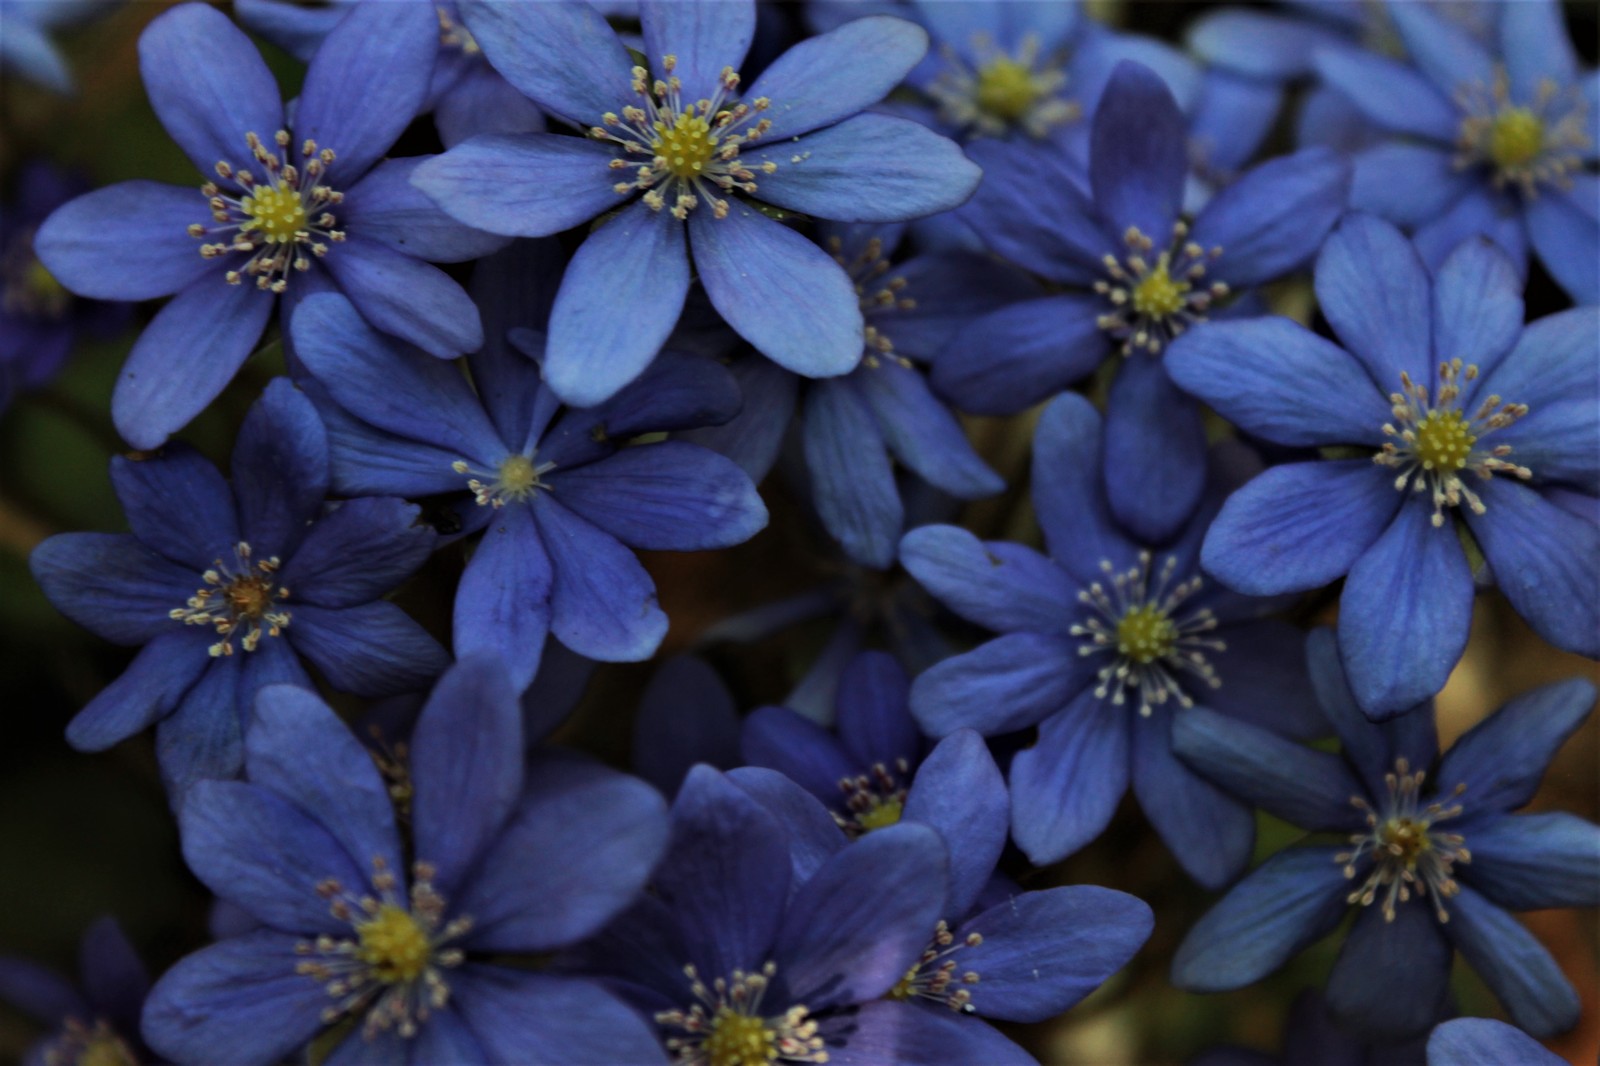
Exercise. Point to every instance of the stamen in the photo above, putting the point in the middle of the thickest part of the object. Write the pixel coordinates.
(515, 480)
(725, 1027)
(876, 295)
(1152, 303)
(1524, 143)
(934, 976)
(1409, 856)
(1004, 92)
(873, 800)
(242, 598)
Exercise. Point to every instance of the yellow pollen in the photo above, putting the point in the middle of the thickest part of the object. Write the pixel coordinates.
(1146, 634)
(740, 1040)
(885, 812)
(1516, 138)
(1405, 840)
(276, 212)
(1006, 89)
(686, 145)
(1157, 294)
(518, 478)
(104, 1049)
(1444, 441)
(393, 945)
(905, 988)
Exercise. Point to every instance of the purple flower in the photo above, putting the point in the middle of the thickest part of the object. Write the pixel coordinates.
(1104, 644)
(280, 206)
(504, 862)
(560, 499)
(1495, 139)
(95, 1021)
(1138, 275)
(225, 588)
(1438, 379)
(1433, 860)
(39, 319)
(689, 158)
(1485, 1042)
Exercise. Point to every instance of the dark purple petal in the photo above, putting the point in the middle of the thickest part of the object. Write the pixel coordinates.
(359, 552)
(115, 979)
(1008, 683)
(1032, 208)
(503, 603)
(873, 717)
(1501, 760)
(852, 481)
(1533, 862)
(365, 84)
(386, 207)
(1274, 217)
(42, 994)
(997, 584)
(1371, 749)
(813, 833)
(152, 686)
(822, 80)
(563, 1021)
(603, 603)
(179, 504)
(703, 38)
(686, 716)
(921, 431)
(243, 994)
(254, 848)
(563, 56)
(1067, 494)
(778, 291)
(1155, 451)
(208, 85)
(203, 737)
(670, 496)
(887, 1031)
(1516, 967)
(1009, 359)
(373, 649)
(185, 357)
(407, 298)
(1044, 951)
(126, 242)
(1375, 292)
(1485, 1042)
(466, 763)
(112, 585)
(577, 849)
(855, 927)
(1392, 980)
(280, 470)
(619, 299)
(521, 185)
(1287, 903)
(781, 739)
(1065, 788)
(1208, 830)
(1138, 154)
(958, 790)
(1543, 559)
(298, 749)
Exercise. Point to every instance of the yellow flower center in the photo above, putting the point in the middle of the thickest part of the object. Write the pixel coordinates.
(1006, 88)
(686, 145)
(906, 987)
(1146, 634)
(740, 1040)
(276, 212)
(518, 477)
(884, 812)
(1405, 840)
(251, 596)
(393, 945)
(1516, 138)
(1444, 441)
(1157, 294)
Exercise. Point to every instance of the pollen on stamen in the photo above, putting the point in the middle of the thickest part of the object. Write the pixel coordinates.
(937, 976)
(1154, 300)
(1526, 143)
(725, 1025)
(1002, 91)
(1433, 443)
(874, 800)
(875, 295)
(516, 479)
(1409, 856)
(242, 598)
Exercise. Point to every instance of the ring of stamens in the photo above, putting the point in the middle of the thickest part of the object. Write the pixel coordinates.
(515, 480)
(1003, 92)
(690, 149)
(1154, 301)
(873, 800)
(276, 217)
(875, 294)
(391, 968)
(453, 34)
(934, 976)
(725, 1027)
(1150, 642)
(1434, 443)
(242, 597)
(1410, 857)
(1524, 144)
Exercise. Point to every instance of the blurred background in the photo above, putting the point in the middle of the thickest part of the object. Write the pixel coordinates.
(84, 835)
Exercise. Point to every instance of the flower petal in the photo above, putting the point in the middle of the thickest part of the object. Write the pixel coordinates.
(1515, 966)
(1008, 683)
(280, 470)
(1066, 787)
(1032, 209)
(407, 298)
(1532, 862)
(1502, 759)
(1389, 93)
(1443, 50)
(1477, 306)
(1565, 230)
(778, 291)
(958, 791)
(152, 686)
(1406, 183)
(386, 207)
(1485, 1042)
(185, 357)
(562, 1021)
(521, 185)
(386, 535)
(208, 85)
(999, 585)
(1375, 292)
(822, 80)
(203, 737)
(1555, 370)
(1299, 526)
(852, 483)
(777, 738)
(502, 606)
(922, 433)
(874, 720)
(1414, 581)
(1287, 903)
(1392, 980)
(812, 832)
(1007, 360)
(373, 649)
(179, 504)
(1273, 218)
(888, 1031)
(686, 716)
(112, 585)
(128, 241)
(669, 496)
(1155, 451)
(1067, 494)
(702, 39)
(1138, 154)
(563, 56)
(603, 603)
(1208, 831)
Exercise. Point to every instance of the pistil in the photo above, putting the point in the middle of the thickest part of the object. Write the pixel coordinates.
(1153, 301)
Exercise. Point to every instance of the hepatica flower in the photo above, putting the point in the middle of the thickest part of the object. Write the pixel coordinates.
(286, 208)
(225, 588)
(560, 499)
(1104, 644)
(1457, 412)
(1139, 274)
(400, 946)
(1495, 139)
(95, 1022)
(1432, 862)
(687, 156)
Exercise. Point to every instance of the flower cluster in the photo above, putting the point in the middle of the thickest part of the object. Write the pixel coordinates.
(1009, 412)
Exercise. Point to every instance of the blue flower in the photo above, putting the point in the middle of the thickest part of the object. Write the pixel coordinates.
(1494, 139)
(1138, 275)
(279, 207)
(1485, 1042)
(97, 1020)
(1438, 379)
(26, 49)
(226, 588)
(1431, 867)
(1099, 641)
(39, 319)
(507, 862)
(560, 499)
(684, 154)
(467, 97)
